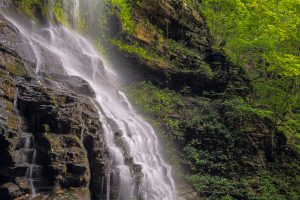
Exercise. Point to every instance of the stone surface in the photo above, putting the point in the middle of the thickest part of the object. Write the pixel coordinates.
(179, 49)
(57, 112)
(228, 143)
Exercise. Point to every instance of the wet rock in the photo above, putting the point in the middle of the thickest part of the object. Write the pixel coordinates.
(4, 3)
(179, 50)
(178, 21)
(57, 114)
(74, 194)
(9, 191)
(23, 183)
(73, 83)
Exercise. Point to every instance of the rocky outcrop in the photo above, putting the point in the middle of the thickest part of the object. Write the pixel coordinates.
(230, 149)
(178, 20)
(177, 29)
(225, 143)
(55, 115)
(170, 44)
(4, 3)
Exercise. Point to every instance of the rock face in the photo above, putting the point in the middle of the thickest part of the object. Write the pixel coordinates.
(176, 48)
(178, 21)
(4, 3)
(224, 143)
(50, 118)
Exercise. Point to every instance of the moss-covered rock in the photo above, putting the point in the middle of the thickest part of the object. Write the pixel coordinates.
(169, 43)
(61, 124)
(226, 148)
(217, 141)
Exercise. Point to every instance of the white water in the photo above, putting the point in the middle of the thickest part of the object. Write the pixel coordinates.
(29, 172)
(79, 58)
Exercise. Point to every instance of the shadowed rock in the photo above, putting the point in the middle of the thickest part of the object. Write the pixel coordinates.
(56, 112)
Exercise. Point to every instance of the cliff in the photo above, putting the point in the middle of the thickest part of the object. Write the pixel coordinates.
(57, 119)
(224, 145)
(169, 43)
(220, 144)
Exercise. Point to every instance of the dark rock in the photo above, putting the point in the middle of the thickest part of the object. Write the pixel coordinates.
(9, 191)
(23, 183)
(179, 39)
(75, 84)
(56, 113)
(178, 21)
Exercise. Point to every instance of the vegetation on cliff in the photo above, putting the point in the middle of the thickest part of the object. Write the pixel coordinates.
(221, 141)
(263, 37)
(220, 84)
(234, 146)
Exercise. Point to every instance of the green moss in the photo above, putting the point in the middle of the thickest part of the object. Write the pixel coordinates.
(60, 14)
(179, 46)
(16, 70)
(12, 117)
(9, 105)
(46, 128)
(70, 194)
(159, 106)
(50, 138)
(81, 24)
(12, 121)
(137, 50)
(7, 89)
(27, 6)
(4, 73)
(77, 139)
(65, 170)
(101, 48)
(123, 9)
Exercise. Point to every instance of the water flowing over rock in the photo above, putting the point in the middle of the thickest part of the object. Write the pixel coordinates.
(81, 131)
(41, 119)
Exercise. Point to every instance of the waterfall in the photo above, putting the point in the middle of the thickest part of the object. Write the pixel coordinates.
(30, 170)
(137, 167)
(28, 149)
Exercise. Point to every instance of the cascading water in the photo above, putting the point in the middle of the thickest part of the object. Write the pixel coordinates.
(137, 167)
(29, 151)
(30, 169)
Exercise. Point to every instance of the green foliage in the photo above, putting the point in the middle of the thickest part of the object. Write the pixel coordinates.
(124, 10)
(185, 57)
(210, 142)
(60, 14)
(216, 187)
(30, 7)
(247, 109)
(195, 157)
(27, 6)
(156, 103)
(260, 186)
(261, 34)
(281, 95)
(264, 37)
(136, 49)
(177, 46)
(160, 106)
